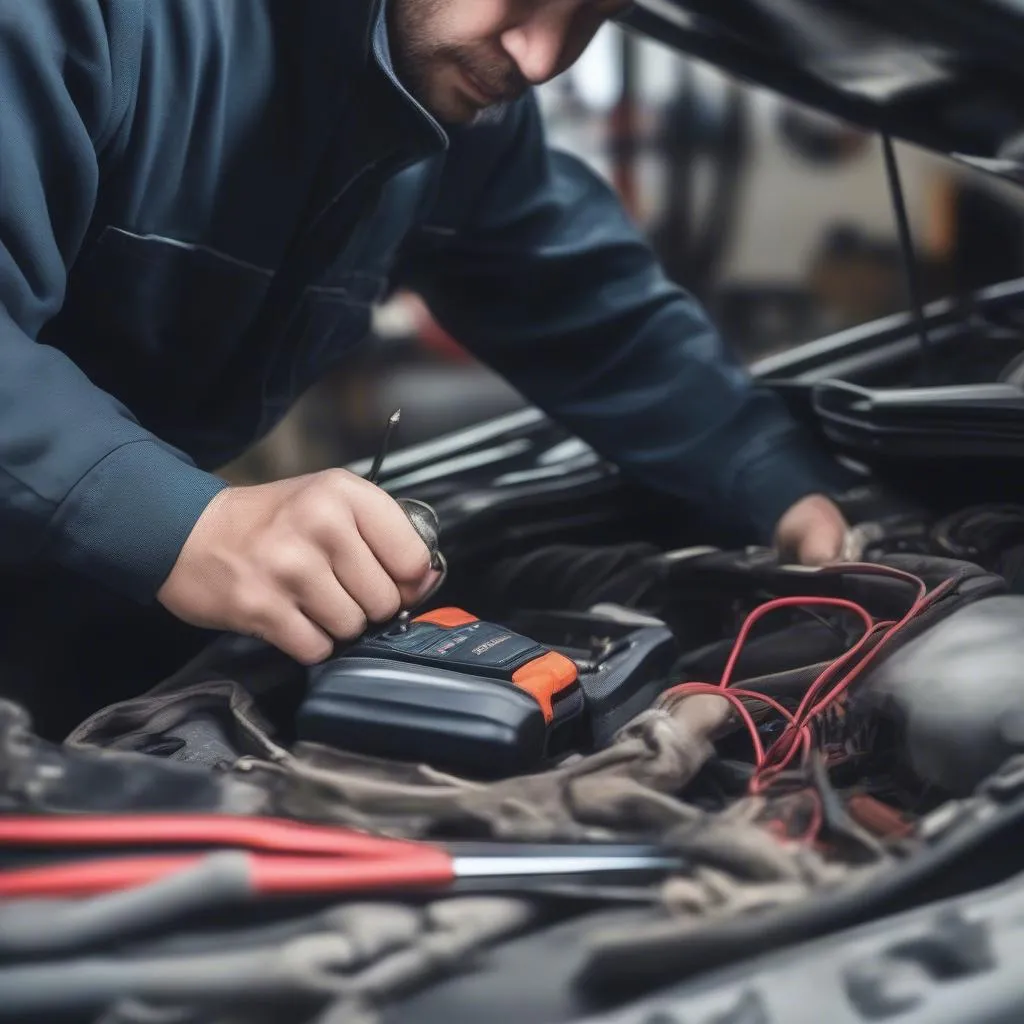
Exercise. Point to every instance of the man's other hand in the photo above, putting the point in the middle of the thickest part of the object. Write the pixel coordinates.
(813, 531)
(299, 563)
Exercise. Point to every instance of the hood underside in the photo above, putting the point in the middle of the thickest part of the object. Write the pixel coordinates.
(944, 74)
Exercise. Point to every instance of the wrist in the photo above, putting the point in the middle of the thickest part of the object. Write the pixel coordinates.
(781, 473)
(126, 521)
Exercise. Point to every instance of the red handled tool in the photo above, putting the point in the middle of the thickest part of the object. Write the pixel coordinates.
(288, 859)
(267, 835)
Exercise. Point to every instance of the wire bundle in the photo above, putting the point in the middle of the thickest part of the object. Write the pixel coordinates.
(828, 689)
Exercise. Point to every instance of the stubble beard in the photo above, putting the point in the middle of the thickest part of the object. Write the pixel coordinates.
(418, 62)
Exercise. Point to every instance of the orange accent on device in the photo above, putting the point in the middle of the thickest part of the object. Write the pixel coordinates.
(449, 618)
(545, 678)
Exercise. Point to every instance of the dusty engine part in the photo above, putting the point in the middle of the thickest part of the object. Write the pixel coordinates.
(956, 694)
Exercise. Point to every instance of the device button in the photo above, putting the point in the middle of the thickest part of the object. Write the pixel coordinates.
(449, 618)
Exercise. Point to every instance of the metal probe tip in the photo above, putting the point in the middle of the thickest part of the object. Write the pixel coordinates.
(374, 475)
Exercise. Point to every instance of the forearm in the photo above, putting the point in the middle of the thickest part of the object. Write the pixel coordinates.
(551, 284)
(81, 481)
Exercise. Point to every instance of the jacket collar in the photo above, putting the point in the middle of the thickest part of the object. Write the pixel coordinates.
(338, 51)
(378, 124)
(427, 130)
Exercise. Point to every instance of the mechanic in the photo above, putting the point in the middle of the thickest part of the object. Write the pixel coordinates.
(201, 200)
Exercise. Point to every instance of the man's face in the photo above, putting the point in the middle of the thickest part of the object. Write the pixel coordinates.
(459, 57)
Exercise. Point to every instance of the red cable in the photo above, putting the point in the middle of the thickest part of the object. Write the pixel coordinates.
(797, 732)
(266, 834)
(919, 607)
(785, 602)
(823, 677)
(268, 874)
(805, 715)
(735, 697)
(735, 693)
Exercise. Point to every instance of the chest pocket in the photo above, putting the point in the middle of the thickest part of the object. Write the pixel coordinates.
(336, 311)
(155, 317)
(166, 326)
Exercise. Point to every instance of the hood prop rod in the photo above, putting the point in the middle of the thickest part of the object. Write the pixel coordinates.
(910, 263)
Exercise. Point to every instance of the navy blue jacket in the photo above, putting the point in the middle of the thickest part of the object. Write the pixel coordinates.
(200, 201)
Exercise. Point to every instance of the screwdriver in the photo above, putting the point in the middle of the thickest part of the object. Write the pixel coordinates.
(363, 862)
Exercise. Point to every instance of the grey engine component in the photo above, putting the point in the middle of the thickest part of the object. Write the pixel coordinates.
(957, 694)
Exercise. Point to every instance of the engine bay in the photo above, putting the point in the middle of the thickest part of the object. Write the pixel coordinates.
(660, 758)
(816, 687)
(656, 749)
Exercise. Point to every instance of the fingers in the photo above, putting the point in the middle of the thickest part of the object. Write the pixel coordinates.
(821, 548)
(345, 592)
(369, 540)
(391, 537)
(813, 530)
(299, 638)
(340, 596)
(325, 602)
(365, 580)
(300, 563)
(276, 619)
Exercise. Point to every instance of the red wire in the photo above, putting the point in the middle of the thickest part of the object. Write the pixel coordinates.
(823, 677)
(919, 607)
(735, 697)
(804, 714)
(797, 732)
(786, 602)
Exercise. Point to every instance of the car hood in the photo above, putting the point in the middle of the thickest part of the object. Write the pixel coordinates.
(947, 75)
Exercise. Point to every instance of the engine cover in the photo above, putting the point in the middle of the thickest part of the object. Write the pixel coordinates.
(956, 693)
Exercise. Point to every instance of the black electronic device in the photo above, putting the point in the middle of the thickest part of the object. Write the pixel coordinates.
(486, 700)
(448, 690)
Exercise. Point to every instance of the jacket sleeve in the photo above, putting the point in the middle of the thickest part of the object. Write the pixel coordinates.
(81, 482)
(540, 273)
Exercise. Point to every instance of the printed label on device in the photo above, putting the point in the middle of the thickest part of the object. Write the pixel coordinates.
(484, 644)
(459, 642)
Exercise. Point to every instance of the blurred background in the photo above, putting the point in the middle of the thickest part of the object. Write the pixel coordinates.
(777, 219)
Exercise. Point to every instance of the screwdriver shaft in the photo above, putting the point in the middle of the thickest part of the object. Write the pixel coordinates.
(382, 452)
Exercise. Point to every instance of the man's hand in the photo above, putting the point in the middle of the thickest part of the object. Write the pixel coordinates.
(299, 563)
(813, 531)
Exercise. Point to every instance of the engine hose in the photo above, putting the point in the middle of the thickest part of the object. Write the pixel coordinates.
(574, 577)
(981, 534)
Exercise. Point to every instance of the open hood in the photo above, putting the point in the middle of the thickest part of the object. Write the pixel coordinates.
(944, 74)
